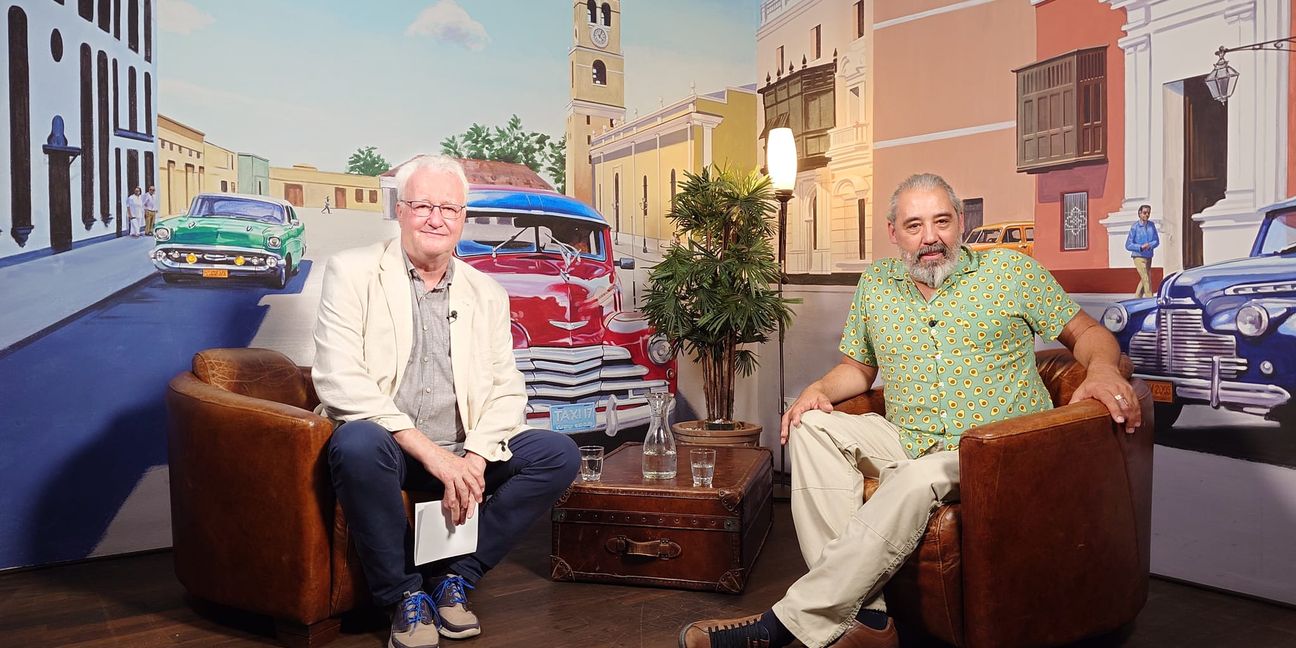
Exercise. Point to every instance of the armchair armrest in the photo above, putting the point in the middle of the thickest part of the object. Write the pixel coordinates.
(251, 503)
(872, 401)
(1056, 515)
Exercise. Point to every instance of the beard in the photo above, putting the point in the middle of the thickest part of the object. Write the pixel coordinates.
(931, 273)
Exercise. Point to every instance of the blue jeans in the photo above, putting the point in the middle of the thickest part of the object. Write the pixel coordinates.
(370, 470)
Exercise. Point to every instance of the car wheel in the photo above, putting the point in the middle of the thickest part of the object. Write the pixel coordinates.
(1166, 414)
(296, 269)
(280, 277)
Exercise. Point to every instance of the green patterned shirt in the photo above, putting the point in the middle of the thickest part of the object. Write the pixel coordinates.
(965, 358)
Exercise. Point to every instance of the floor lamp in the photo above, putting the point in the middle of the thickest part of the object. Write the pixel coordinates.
(781, 160)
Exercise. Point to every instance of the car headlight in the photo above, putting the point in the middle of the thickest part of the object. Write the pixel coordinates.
(161, 234)
(274, 242)
(1115, 318)
(659, 349)
(1252, 320)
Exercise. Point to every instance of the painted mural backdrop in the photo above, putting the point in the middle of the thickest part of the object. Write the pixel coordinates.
(1055, 120)
(270, 132)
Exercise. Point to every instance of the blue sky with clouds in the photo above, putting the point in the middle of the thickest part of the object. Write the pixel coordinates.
(311, 81)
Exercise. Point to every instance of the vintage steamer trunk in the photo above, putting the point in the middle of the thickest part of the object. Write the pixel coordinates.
(625, 529)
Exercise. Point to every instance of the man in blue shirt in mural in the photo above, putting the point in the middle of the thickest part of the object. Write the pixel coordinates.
(1141, 242)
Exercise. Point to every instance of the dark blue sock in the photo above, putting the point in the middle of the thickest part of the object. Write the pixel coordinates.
(872, 618)
(778, 633)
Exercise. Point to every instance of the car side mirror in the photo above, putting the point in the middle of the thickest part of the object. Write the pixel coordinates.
(626, 263)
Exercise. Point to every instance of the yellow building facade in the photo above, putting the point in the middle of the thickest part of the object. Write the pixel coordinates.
(638, 165)
(306, 186)
(182, 165)
(222, 169)
(597, 70)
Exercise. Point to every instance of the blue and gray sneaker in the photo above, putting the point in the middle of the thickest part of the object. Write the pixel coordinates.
(414, 622)
(457, 621)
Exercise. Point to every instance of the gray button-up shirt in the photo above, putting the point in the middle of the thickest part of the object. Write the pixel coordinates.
(426, 393)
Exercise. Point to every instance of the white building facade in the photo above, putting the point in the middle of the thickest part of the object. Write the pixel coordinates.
(79, 131)
(812, 65)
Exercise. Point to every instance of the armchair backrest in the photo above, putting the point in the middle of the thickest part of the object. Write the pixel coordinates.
(258, 373)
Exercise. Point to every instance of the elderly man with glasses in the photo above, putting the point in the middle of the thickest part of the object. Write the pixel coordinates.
(414, 362)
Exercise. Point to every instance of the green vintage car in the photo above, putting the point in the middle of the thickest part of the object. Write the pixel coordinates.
(226, 236)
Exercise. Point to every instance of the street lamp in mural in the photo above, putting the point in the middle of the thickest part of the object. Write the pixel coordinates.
(781, 159)
(1222, 79)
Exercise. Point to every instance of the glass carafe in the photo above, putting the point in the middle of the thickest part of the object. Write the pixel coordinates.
(659, 444)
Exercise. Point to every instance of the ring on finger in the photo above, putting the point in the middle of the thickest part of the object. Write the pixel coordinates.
(1121, 399)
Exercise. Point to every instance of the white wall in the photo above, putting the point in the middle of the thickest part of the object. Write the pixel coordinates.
(55, 89)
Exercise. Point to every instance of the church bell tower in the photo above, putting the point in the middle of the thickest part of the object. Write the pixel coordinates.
(597, 76)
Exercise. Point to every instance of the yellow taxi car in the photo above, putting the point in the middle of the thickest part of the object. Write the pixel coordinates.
(1014, 235)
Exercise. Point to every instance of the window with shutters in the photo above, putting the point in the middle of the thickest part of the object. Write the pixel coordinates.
(1062, 111)
(804, 101)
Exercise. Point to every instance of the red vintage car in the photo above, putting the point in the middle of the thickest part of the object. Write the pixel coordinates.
(589, 365)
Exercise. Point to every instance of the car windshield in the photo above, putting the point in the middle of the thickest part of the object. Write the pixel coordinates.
(1281, 235)
(983, 236)
(527, 233)
(226, 207)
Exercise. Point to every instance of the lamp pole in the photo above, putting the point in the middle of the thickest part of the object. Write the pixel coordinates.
(781, 159)
(783, 196)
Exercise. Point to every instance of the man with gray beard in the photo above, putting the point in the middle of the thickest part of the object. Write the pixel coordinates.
(951, 331)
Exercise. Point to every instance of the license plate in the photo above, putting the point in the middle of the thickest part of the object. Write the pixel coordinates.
(215, 273)
(576, 417)
(1162, 392)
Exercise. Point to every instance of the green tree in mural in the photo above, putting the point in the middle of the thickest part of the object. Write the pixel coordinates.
(556, 166)
(511, 143)
(367, 161)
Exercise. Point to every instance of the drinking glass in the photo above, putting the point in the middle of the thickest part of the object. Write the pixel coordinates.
(703, 463)
(591, 466)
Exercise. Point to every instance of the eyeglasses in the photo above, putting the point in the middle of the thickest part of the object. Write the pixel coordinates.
(423, 209)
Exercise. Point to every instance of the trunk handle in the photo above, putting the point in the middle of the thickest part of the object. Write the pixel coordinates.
(661, 548)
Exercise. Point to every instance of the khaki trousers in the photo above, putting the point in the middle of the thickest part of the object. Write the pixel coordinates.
(1144, 288)
(854, 547)
(149, 217)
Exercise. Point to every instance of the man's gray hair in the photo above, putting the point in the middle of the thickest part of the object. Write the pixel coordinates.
(925, 182)
(434, 163)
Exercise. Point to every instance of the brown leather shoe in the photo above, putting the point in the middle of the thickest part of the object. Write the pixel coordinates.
(724, 633)
(859, 635)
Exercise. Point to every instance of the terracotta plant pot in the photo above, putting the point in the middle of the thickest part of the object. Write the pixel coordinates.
(743, 434)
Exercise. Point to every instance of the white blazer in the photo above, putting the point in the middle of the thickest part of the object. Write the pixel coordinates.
(365, 332)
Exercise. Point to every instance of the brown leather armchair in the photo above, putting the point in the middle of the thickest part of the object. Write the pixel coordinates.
(254, 521)
(1049, 542)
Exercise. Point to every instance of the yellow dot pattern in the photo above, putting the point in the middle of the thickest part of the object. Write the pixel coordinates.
(966, 357)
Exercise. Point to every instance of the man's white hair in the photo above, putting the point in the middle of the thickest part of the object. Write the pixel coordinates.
(434, 163)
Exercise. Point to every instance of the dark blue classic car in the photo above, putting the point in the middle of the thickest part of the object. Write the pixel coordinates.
(1222, 335)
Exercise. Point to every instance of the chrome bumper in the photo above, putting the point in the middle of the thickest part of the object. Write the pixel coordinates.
(1231, 395)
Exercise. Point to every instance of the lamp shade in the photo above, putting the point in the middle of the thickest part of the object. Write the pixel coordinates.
(781, 158)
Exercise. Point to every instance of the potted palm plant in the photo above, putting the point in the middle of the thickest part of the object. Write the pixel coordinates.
(713, 293)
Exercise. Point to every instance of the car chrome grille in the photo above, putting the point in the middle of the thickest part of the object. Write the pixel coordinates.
(557, 375)
(1181, 346)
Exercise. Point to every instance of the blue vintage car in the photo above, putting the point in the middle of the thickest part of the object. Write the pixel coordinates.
(1224, 334)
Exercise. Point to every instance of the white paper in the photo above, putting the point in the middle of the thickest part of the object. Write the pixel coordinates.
(436, 536)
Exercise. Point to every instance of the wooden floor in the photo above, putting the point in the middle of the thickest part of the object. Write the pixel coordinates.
(135, 601)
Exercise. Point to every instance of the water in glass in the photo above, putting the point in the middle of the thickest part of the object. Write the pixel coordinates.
(702, 462)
